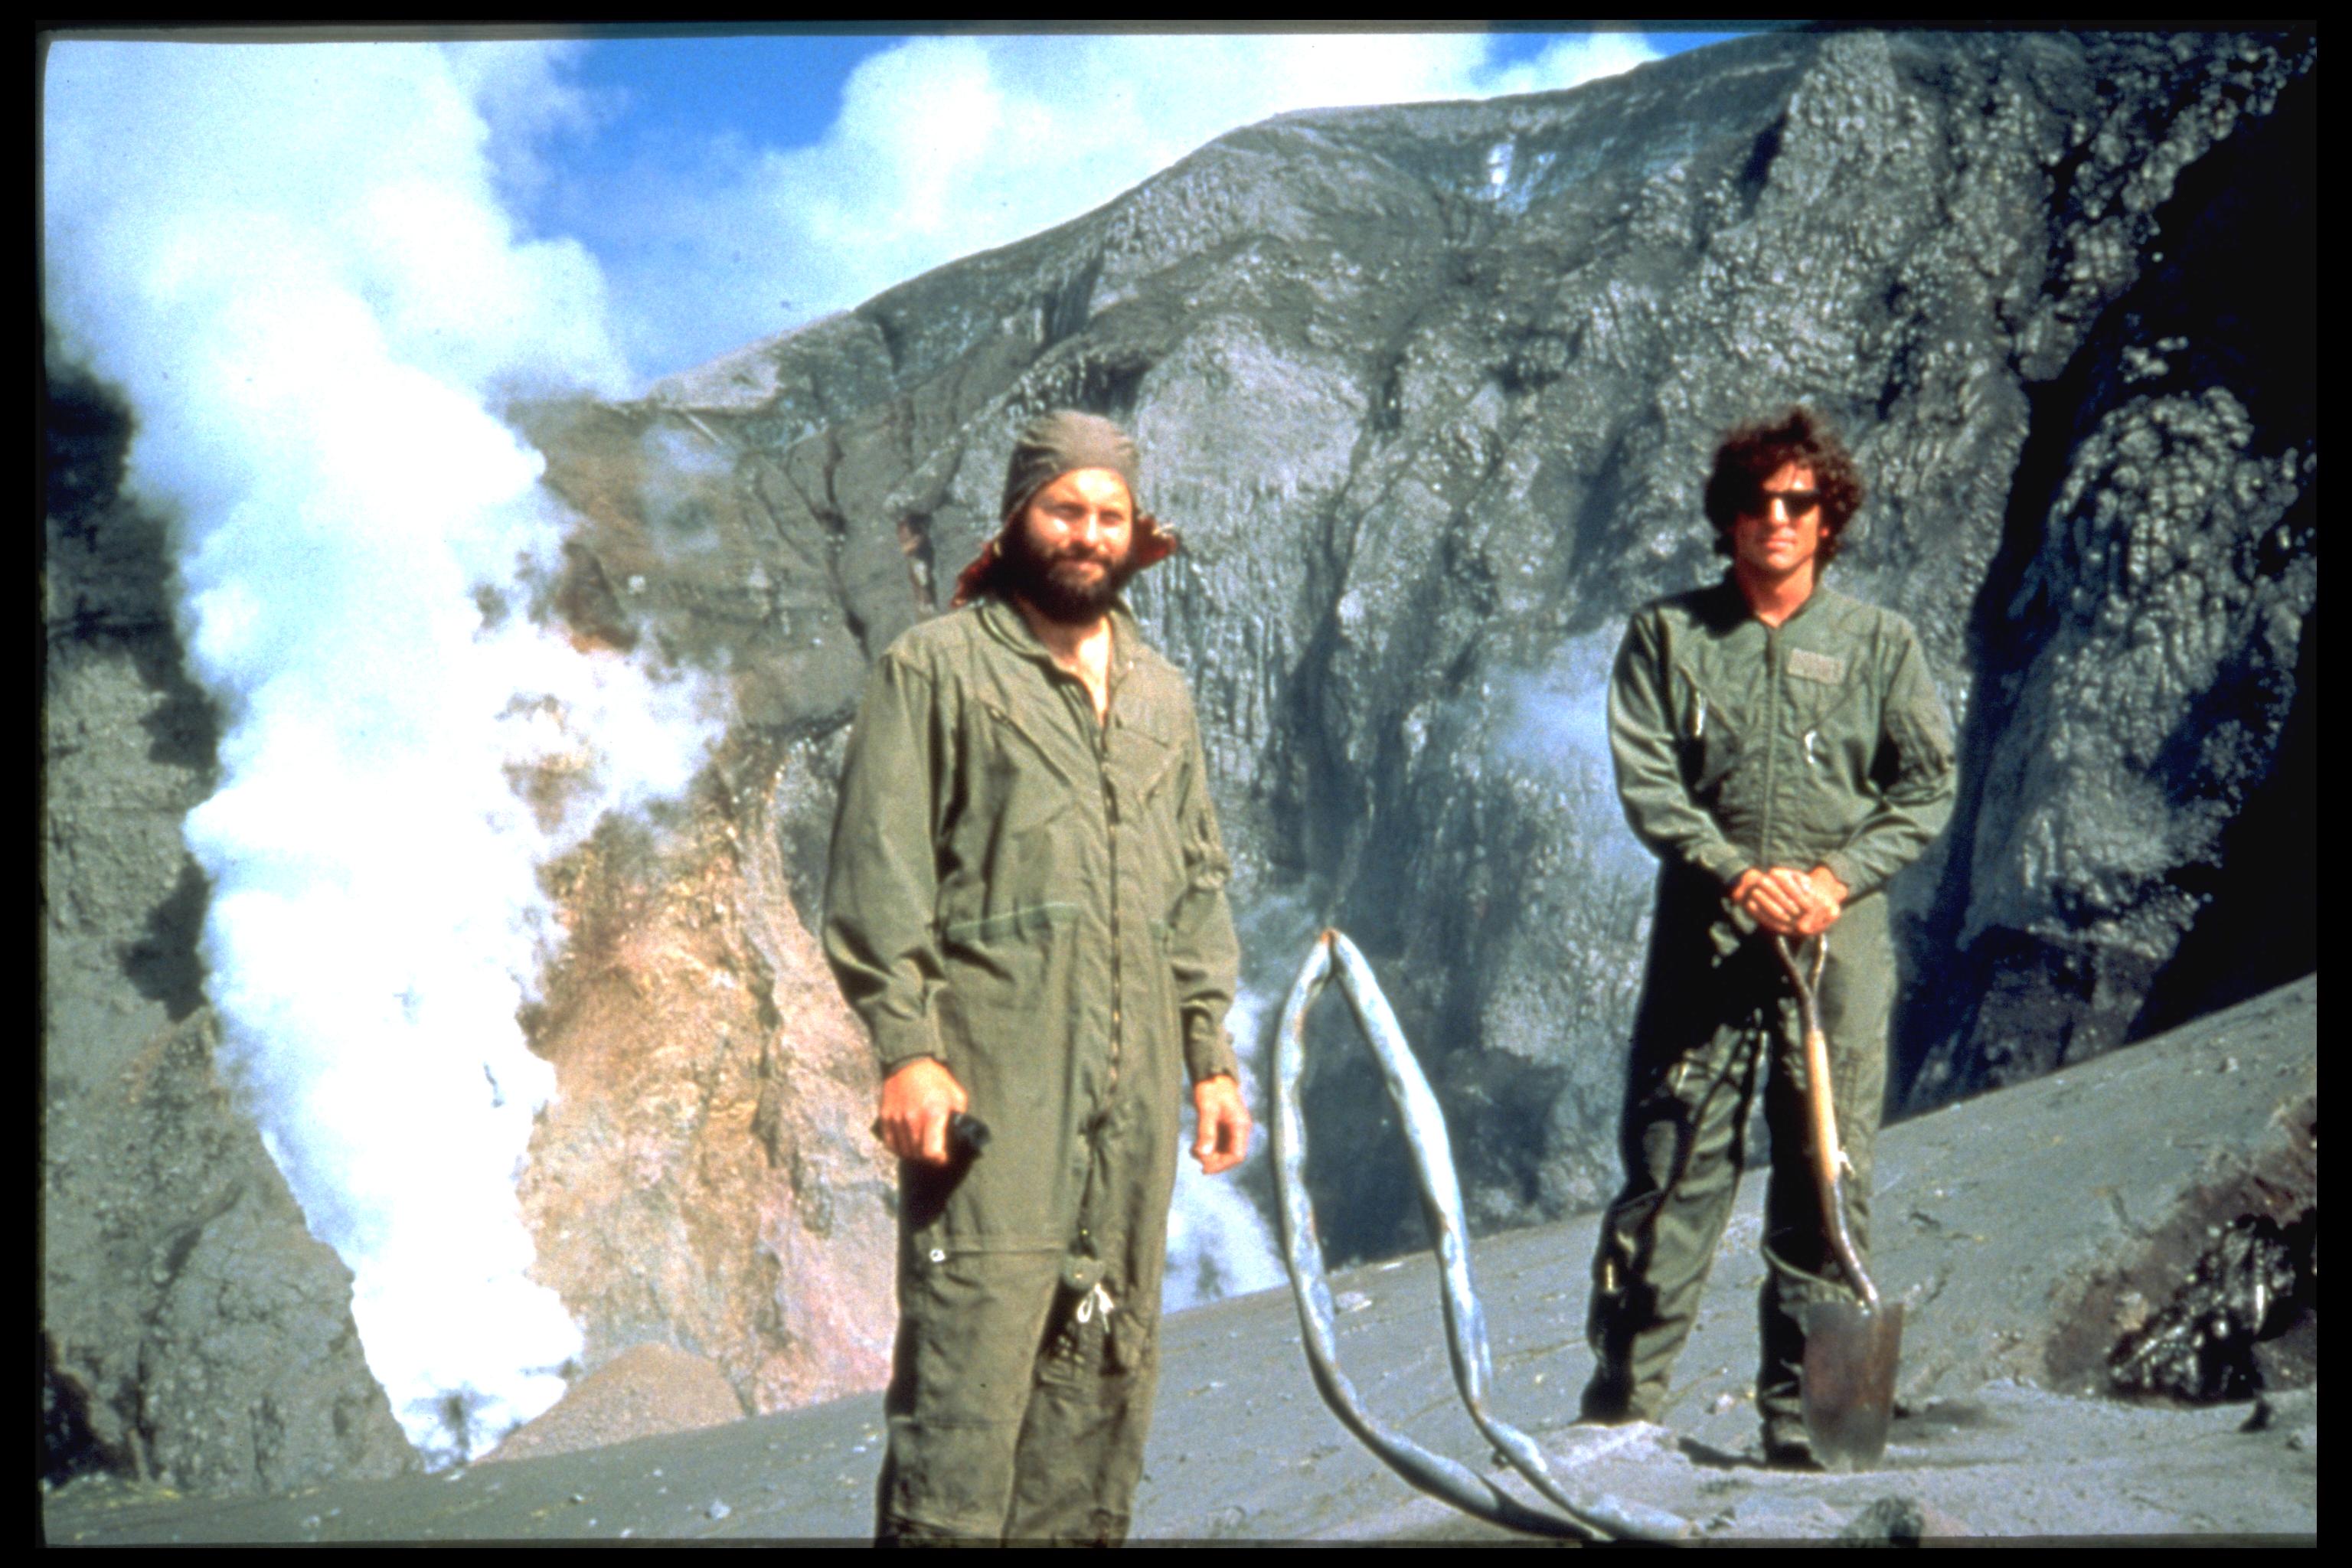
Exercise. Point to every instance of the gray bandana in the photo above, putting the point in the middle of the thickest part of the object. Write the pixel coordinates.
(1060, 443)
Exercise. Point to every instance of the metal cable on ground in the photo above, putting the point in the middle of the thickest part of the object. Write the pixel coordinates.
(1593, 1518)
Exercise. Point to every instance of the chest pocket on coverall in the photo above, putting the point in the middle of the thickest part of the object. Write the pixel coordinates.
(1021, 770)
(1823, 691)
(1707, 732)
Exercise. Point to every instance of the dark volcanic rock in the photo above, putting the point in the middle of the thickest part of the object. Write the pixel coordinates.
(2220, 1298)
(2137, 847)
(192, 1329)
(1432, 391)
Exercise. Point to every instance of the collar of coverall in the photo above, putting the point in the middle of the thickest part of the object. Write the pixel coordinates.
(1821, 593)
(1006, 622)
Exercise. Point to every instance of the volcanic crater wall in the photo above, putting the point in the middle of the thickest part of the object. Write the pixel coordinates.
(1430, 392)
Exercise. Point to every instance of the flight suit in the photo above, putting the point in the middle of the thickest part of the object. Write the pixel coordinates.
(1819, 742)
(1037, 902)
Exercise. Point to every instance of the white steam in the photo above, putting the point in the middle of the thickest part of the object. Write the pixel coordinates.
(1554, 726)
(294, 262)
(945, 146)
(1219, 1244)
(1219, 1241)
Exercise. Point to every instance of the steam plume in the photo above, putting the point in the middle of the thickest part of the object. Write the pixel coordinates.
(1220, 1240)
(293, 261)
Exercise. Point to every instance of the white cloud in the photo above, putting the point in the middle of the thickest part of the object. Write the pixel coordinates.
(527, 97)
(1572, 62)
(945, 146)
(294, 262)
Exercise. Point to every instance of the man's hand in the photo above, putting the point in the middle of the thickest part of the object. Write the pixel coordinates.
(1775, 899)
(1225, 1124)
(1789, 902)
(1828, 902)
(917, 1101)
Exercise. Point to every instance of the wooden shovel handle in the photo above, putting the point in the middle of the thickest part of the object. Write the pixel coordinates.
(1829, 1161)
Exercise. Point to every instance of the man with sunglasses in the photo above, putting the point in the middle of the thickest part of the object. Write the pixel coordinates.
(1782, 750)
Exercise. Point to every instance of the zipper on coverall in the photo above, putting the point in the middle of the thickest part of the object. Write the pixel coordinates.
(1082, 706)
(1765, 1031)
(1771, 739)
(1110, 838)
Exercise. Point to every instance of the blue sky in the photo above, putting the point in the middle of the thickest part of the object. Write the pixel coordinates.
(669, 96)
(727, 187)
(733, 186)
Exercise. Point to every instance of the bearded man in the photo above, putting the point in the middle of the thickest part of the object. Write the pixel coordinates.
(1025, 906)
(1782, 749)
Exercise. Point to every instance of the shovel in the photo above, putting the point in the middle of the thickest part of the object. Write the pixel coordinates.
(1852, 1348)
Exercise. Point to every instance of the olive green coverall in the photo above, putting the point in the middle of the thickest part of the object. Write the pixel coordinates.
(1819, 742)
(1037, 902)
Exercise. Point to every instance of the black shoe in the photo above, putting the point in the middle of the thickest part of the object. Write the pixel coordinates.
(1603, 1409)
(1790, 1454)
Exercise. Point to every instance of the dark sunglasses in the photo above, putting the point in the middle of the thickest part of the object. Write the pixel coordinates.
(1798, 502)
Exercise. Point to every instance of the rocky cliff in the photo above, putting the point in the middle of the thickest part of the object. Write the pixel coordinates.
(1430, 392)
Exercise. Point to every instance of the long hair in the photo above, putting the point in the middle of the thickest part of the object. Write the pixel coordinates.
(1751, 454)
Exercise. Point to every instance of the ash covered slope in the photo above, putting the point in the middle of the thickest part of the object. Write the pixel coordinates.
(1431, 391)
(2031, 1232)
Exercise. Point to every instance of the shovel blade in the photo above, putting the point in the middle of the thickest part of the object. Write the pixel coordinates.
(1851, 1354)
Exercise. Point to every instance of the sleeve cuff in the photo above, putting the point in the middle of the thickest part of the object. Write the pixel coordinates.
(1724, 862)
(898, 1041)
(1838, 864)
(1207, 1049)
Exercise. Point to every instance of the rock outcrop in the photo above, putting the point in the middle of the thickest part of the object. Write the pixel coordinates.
(645, 1389)
(704, 1178)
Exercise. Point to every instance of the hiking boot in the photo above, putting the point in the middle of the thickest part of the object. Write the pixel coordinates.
(1607, 1402)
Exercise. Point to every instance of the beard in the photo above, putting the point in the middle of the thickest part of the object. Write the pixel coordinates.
(1053, 583)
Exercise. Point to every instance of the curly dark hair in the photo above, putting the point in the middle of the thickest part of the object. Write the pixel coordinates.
(1751, 454)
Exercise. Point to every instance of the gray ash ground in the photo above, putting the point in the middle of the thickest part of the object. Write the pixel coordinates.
(2031, 1232)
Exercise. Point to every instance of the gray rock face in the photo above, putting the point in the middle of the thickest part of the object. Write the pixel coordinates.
(1431, 393)
(192, 1329)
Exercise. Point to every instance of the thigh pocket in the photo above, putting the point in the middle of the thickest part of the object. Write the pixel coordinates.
(976, 1319)
(1087, 1341)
